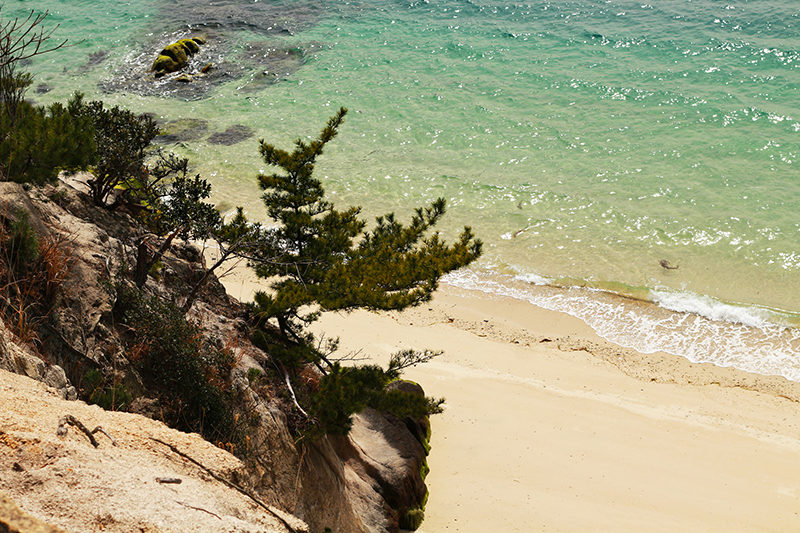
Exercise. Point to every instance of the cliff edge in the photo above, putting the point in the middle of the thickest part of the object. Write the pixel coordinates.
(152, 477)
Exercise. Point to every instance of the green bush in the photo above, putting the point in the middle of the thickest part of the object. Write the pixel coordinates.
(188, 373)
(412, 519)
(109, 396)
(344, 391)
(122, 139)
(23, 244)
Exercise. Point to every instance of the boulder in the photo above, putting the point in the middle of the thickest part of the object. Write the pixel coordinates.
(176, 56)
(17, 359)
(57, 378)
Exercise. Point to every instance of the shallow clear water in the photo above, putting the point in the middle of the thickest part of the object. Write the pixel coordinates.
(585, 141)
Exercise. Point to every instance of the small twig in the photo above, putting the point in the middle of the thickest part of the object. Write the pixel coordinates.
(69, 419)
(291, 390)
(198, 509)
(174, 480)
(104, 432)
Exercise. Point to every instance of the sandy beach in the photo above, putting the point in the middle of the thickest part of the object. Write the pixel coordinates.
(548, 427)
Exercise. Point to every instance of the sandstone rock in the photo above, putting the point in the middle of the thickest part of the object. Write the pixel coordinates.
(14, 200)
(69, 483)
(15, 520)
(56, 377)
(16, 359)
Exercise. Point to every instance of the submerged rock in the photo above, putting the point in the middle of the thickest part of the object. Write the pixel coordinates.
(281, 18)
(233, 135)
(270, 64)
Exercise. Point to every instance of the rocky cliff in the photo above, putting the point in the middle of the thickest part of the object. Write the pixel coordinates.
(369, 481)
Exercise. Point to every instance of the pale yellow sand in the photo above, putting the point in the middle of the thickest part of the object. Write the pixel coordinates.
(549, 428)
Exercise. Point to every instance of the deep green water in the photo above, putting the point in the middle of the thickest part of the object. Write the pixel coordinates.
(585, 141)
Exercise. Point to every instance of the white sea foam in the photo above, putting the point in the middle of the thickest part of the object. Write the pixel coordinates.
(713, 309)
(535, 279)
(698, 328)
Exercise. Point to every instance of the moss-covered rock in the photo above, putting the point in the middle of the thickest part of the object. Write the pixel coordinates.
(175, 56)
(412, 519)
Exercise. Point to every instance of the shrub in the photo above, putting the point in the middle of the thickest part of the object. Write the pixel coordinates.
(41, 141)
(122, 139)
(188, 373)
(412, 519)
(344, 391)
(110, 396)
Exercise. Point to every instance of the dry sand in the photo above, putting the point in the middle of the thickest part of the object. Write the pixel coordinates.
(549, 428)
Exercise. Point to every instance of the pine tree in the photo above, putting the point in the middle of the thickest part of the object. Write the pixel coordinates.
(43, 141)
(321, 259)
(320, 256)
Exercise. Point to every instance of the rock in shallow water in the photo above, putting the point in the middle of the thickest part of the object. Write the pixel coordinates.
(233, 135)
(176, 56)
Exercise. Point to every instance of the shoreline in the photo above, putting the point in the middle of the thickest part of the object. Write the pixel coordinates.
(549, 427)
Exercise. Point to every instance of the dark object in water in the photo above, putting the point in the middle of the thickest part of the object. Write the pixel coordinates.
(666, 264)
(234, 134)
(182, 130)
(175, 56)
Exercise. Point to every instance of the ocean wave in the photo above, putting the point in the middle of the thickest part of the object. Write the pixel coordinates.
(713, 309)
(699, 328)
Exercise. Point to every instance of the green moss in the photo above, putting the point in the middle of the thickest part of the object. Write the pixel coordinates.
(175, 56)
(253, 375)
(177, 51)
(165, 64)
(424, 470)
(412, 519)
(190, 45)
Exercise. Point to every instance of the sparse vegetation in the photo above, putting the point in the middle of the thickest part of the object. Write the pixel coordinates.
(32, 269)
(108, 393)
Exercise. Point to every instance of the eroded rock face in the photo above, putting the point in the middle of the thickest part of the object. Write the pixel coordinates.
(368, 482)
(65, 481)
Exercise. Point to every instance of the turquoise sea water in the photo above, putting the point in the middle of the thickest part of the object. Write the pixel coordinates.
(585, 141)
